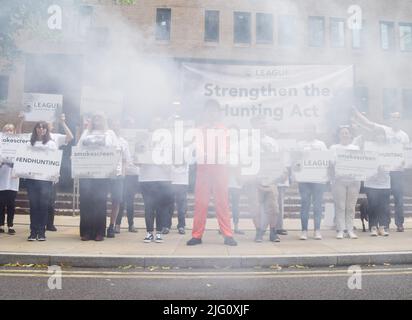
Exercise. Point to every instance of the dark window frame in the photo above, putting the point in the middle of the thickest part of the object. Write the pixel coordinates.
(217, 37)
(404, 24)
(391, 36)
(323, 42)
(270, 39)
(332, 42)
(160, 34)
(248, 39)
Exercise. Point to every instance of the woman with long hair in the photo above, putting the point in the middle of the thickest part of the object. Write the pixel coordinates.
(39, 191)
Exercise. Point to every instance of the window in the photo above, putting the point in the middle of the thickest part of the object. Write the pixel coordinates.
(387, 35)
(4, 90)
(264, 28)
(407, 102)
(242, 27)
(405, 30)
(287, 31)
(362, 99)
(316, 31)
(163, 17)
(337, 32)
(358, 37)
(212, 26)
(390, 102)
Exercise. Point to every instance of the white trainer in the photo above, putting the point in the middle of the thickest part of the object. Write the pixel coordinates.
(339, 235)
(304, 235)
(318, 236)
(383, 232)
(352, 235)
(374, 232)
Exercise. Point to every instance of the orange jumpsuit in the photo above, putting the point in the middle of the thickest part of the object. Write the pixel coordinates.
(211, 179)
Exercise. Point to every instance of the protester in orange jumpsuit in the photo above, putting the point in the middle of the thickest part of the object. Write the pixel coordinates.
(211, 179)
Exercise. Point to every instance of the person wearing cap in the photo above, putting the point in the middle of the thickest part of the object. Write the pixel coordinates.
(394, 135)
(211, 179)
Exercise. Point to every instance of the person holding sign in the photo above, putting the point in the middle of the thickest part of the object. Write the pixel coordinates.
(377, 190)
(345, 189)
(9, 186)
(311, 188)
(39, 191)
(395, 136)
(93, 192)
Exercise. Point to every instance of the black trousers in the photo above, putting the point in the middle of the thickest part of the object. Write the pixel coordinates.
(131, 187)
(234, 196)
(51, 206)
(378, 206)
(39, 197)
(7, 204)
(93, 207)
(179, 202)
(157, 197)
(397, 185)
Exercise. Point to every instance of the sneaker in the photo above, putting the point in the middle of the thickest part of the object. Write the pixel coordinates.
(32, 236)
(11, 231)
(259, 236)
(132, 229)
(181, 230)
(149, 238)
(273, 236)
(304, 235)
(229, 241)
(352, 235)
(117, 228)
(110, 232)
(159, 238)
(374, 232)
(383, 232)
(41, 236)
(400, 229)
(282, 232)
(51, 228)
(194, 241)
(165, 231)
(340, 235)
(317, 235)
(1, 229)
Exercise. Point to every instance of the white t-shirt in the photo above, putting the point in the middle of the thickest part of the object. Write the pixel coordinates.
(51, 145)
(7, 181)
(314, 145)
(99, 138)
(395, 136)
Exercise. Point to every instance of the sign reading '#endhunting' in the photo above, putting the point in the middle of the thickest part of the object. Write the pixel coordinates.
(289, 96)
(42, 107)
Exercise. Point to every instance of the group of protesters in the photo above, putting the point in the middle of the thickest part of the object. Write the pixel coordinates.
(164, 187)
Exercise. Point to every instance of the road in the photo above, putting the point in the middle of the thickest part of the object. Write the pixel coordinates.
(373, 282)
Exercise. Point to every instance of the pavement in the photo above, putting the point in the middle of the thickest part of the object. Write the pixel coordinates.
(128, 250)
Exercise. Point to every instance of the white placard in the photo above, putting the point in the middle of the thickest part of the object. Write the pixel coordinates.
(37, 163)
(355, 164)
(95, 163)
(42, 107)
(313, 167)
(390, 156)
(407, 151)
(272, 167)
(9, 144)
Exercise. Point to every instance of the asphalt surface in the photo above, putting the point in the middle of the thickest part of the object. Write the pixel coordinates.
(376, 282)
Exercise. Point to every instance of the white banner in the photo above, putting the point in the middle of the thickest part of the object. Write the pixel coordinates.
(356, 165)
(390, 156)
(95, 163)
(42, 107)
(313, 167)
(9, 143)
(289, 96)
(37, 163)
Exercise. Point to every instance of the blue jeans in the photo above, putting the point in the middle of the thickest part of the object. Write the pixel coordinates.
(311, 192)
(39, 193)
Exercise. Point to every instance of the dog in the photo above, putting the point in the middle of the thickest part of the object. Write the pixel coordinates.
(363, 209)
